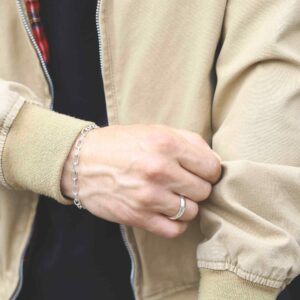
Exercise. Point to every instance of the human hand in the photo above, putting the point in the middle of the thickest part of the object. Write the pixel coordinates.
(134, 175)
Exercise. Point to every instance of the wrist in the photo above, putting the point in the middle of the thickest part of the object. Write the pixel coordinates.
(65, 182)
(44, 138)
(69, 179)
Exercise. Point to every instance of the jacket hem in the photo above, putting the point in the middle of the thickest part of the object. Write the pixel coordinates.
(227, 285)
(255, 278)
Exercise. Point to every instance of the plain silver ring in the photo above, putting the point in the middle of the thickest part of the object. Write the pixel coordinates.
(181, 210)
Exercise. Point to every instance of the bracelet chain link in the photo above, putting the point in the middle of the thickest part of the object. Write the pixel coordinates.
(75, 163)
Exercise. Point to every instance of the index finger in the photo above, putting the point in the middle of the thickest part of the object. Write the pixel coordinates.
(198, 158)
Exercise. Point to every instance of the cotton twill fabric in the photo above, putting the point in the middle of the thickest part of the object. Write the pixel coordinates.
(73, 254)
(256, 132)
(171, 81)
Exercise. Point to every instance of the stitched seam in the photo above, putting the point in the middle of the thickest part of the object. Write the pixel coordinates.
(110, 64)
(35, 102)
(4, 132)
(225, 265)
(238, 268)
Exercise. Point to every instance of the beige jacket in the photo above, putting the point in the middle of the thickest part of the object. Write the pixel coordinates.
(228, 70)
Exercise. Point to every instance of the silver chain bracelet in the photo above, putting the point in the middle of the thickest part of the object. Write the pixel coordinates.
(75, 163)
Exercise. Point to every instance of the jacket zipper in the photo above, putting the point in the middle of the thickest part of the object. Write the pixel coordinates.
(20, 282)
(132, 273)
(50, 84)
(36, 47)
(49, 80)
(122, 227)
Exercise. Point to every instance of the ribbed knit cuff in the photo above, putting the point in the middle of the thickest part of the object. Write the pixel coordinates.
(225, 285)
(36, 148)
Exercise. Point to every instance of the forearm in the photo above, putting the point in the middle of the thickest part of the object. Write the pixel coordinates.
(251, 221)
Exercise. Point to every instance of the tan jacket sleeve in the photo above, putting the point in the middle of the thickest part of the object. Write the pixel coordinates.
(34, 142)
(251, 222)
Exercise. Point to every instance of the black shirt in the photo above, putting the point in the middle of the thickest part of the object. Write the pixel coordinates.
(73, 254)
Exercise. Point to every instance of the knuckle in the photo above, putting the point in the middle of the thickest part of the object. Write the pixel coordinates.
(154, 168)
(164, 142)
(173, 231)
(198, 138)
(147, 197)
(206, 190)
(215, 169)
(170, 234)
(194, 211)
(203, 192)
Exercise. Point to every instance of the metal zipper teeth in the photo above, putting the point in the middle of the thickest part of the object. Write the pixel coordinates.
(98, 9)
(122, 229)
(20, 283)
(132, 273)
(50, 84)
(36, 48)
(44, 67)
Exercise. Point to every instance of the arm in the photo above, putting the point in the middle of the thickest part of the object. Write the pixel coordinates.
(121, 170)
(251, 223)
(34, 142)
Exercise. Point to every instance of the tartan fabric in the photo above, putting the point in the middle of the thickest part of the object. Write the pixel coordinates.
(33, 12)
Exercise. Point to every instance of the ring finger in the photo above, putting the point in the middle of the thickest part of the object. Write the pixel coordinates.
(171, 205)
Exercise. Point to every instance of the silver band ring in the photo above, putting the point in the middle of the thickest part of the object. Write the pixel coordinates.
(181, 209)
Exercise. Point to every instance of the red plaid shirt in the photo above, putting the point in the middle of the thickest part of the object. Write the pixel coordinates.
(33, 11)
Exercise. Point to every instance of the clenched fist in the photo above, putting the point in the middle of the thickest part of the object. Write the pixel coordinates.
(134, 175)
